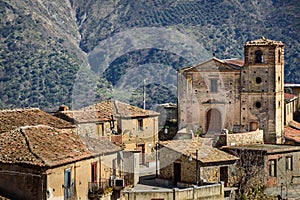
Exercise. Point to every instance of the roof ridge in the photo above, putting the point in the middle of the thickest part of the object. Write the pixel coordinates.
(19, 109)
(29, 146)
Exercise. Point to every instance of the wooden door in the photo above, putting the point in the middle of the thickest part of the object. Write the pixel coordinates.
(213, 121)
(177, 172)
(224, 175)
(141, 148)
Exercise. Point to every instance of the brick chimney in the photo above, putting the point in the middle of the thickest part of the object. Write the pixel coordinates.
(63, 108)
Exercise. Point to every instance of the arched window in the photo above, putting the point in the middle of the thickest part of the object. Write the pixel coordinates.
(258, 56)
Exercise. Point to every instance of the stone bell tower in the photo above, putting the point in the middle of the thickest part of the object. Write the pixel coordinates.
(262, 88)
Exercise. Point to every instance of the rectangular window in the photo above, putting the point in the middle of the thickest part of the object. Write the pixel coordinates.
(272, 169)
(67, 183)
(100, 129)
(140, 125)
(289, 163)
(94, 172)
(213, 85)
(189, 83)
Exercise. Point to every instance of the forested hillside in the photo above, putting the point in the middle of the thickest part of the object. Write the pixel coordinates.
(77, 52)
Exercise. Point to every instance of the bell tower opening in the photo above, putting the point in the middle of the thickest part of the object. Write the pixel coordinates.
(258, 56)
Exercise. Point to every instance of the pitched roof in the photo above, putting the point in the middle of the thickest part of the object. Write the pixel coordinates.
(99, 146)
(104, 110)
(11, 119)
(268, 148)
(206, 153)
(289, 97)
(233, 64)
(292, 134)
(294, 124)
(263, 41)
(41, 145)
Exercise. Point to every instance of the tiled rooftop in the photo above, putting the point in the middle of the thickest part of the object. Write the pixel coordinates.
(12, 119)
(269, 148)
(235, 61)
(294, 124)
(104, 110)
(222, 65)
(206, 153)
(292, 134)
(99, 146)
(289, 97)
(41, 145)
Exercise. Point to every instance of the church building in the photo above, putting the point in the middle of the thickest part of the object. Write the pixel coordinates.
(235, 95)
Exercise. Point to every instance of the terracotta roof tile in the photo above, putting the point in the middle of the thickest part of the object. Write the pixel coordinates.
(99, 146)
(294, 124)
(292, 134)
(288, 97)
(235, 61)
(12, 119)
(41, 145)
(104, 110)
(268, 148)
(206, 153)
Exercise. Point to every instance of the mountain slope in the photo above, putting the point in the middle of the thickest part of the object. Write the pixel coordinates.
(75, 52)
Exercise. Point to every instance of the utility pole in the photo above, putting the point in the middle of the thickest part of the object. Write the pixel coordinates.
(197, 168)
(144, 94)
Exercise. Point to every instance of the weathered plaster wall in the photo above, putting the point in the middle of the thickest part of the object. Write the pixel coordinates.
(21, 182)
(209, 192)
(262, 90)
(196, 99)
(188, 168)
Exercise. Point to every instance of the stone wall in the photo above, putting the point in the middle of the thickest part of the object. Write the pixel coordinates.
(195, 99)
(90, 129)
(253, 137)
(188, 168)
(21, 182)
(209, 192)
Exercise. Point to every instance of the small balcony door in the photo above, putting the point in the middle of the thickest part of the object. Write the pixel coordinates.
(94, 172)
(67, 183)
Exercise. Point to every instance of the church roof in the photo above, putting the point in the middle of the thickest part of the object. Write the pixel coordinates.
(264, 41)
(233, 64)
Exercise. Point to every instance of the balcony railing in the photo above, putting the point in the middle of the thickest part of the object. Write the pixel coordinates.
(99, 189)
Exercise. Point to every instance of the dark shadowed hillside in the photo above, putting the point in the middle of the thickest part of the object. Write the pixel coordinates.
(75, 52)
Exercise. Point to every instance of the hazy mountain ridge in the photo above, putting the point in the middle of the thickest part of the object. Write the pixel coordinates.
(44, 43)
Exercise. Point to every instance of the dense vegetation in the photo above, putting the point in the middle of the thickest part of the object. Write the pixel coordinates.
(45, 44)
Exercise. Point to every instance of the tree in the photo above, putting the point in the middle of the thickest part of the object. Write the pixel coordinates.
(248, 175)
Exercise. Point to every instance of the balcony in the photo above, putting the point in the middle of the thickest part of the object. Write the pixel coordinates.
(100, 189)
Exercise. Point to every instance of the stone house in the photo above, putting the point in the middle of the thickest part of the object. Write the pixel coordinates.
(194, 162)
(39, 161)
(280, 164)
(42, 162)
(132, 127)
(233, 94)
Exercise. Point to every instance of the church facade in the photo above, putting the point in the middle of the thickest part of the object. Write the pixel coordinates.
(235, 95)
